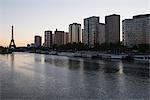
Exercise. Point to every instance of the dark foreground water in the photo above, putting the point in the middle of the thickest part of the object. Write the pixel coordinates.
(45, 77)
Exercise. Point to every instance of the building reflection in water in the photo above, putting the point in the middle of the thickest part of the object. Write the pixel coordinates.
(74, 64)
(108, 69)
(54, 60)
(120, 65)
(93, 66)
(49, 76)
(84, 64)
(12, 62)
(37, 58)
(112, 66)
(58, 62)
(12, 69)
(48, 59)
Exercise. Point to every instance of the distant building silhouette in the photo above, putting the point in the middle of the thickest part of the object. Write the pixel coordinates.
(75, 33)
(48, 38)
(83, 36)
(101, 33)
(53, 38)
(90, 32)
(12, 42)
(37, 41)
(112, 28)
(137, 30)
(66, 37)
(59, 37)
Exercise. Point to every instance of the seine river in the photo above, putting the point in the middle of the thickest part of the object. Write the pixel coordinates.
(27, 76)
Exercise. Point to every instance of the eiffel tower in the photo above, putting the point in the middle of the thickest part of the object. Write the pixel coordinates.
(12, 42)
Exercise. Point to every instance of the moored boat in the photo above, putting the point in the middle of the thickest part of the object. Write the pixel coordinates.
(143, 58)
(112, 56)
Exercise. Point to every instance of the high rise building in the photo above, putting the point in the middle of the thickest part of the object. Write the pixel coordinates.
(101, 33)
(112, 28)
(83, 37)
(59, 37)
(137, 30)
(91, 28)
(37, 41)
(48, 39)
(53, 38)
(66, 37)
(75, 33)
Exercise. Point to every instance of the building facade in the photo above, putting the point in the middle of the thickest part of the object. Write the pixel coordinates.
(137, 30)
(75, 33)
(59, 37)
(101, 33)
(48, 39)
(37, 41)
(83, 37)
(112, 28)
(66, 37)
(91, 28)
(53, 38)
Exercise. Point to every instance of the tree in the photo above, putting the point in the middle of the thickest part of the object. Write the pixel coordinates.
(143, 48)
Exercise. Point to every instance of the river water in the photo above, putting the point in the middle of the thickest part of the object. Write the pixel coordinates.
(27, 76)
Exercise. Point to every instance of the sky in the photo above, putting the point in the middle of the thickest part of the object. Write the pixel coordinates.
(33, 17)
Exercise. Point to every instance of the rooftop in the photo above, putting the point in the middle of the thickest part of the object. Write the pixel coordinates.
(141, 16)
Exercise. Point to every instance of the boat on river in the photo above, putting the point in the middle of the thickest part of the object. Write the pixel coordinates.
(142, 58)
(112, 56)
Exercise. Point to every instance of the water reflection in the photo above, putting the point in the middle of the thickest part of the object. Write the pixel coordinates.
(110, 68)
(120, 67)
(12, 61)
(59, 62)
(48, 60)
(142, 72)
(74, 64)
(37, 58)
(114, 66)
(35, 76)
(91, 66)
(12, 69)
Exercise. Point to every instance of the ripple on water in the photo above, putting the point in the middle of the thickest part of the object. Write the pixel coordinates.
(35, 77)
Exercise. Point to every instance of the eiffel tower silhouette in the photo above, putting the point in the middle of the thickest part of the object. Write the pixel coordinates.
(12, 42)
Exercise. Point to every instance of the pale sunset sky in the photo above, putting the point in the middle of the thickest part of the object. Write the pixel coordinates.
(33, 17)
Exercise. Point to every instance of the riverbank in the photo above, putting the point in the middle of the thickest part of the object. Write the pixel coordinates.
(101, 55)
(144, 58)
(5, 51)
